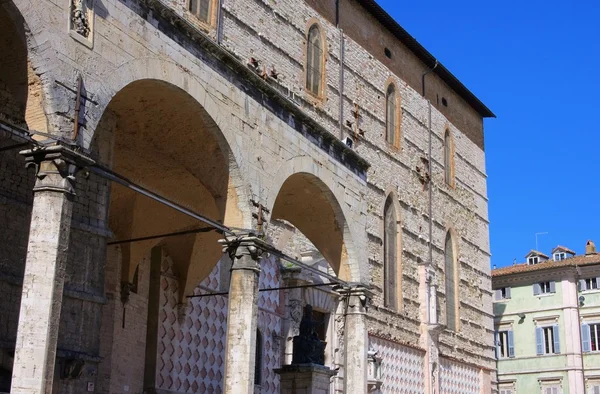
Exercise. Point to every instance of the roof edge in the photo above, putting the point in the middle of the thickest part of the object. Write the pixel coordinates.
(426, 57)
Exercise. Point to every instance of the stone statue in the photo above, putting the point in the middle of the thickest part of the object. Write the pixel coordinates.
(308, 348)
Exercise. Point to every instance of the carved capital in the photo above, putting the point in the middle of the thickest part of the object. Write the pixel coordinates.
(358, 299)
(245, 250)
(55, 167)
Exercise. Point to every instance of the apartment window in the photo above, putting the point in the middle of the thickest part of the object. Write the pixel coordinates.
(560, 256)
(506, 391)
(506, 388)
(544, 288)
(533, 260)
(314, 61)
(588, 284)
(590, 337)
(554, 389)
(505, 344)
(448, 159)
(202, 9)
(547, 340)
(390, 253)
(391, 115)
(595, 389)
(451, 288)
(502, 293)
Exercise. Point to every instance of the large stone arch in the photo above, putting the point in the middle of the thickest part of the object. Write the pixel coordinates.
(161, 135)
(300, 177)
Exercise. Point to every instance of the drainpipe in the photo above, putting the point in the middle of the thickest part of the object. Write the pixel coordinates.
(430, 167)
(432, 366)
(577, 275)
(219, 22)
(341, 58)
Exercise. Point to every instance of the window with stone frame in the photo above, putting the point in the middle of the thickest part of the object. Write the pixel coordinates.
(547, 340)
(448, 159)
(451, 284)
(589, 284)
(546, 287)
(505, 344)
(203, 10)
(314, 61)
(590, 337)
(551, 387)
(390, 254)
(392, 112)
(502, 293)
(594, 387)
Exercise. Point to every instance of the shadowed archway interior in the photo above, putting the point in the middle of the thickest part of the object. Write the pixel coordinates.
(308, 204)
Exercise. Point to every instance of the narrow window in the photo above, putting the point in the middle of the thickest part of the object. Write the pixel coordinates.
(505, 347)
(451, 292)
(533, 260)
(314, 61)
(202, 9)
(448, 159)
(258, 358)
(590, 335)
(390, 253)
(390, 115)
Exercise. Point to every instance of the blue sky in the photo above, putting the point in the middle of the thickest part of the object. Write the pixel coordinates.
(535, 64)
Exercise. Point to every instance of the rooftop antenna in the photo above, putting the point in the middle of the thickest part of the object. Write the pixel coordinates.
(536, 238)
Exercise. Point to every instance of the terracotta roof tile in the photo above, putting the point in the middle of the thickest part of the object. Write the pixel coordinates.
(563, 249)
(569, 262)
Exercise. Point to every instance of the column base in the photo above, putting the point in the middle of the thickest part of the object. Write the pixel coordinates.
(305, 379)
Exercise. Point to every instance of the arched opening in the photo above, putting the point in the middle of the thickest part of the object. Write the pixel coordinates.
(314, 61)
(392, 273)
(390, 115)
(448, 158)
(451, 279)
(307, 203)
(158, 136)
(20, 105)
(308, 224)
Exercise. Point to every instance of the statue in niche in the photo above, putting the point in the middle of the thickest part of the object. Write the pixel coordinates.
(308, 348)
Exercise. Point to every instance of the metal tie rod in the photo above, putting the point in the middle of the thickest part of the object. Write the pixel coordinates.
(285, 257)
(106, 173)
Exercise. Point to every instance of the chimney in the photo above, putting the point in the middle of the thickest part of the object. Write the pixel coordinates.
(590, 248)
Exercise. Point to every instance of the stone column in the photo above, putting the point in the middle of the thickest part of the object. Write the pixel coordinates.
(242, 313)
(356, 341)
(294, 306)
(39, 317)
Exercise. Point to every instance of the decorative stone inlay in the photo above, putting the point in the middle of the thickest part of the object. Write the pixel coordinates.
(81, 21)
(458, 378)
(402, 367)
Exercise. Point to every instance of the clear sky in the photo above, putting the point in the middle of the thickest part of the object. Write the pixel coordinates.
(536, 65)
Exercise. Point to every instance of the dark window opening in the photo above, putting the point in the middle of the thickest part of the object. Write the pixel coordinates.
(444, 102)
(388, 53)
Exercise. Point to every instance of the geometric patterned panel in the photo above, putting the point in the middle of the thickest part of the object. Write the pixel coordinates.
(191, 342)
(402, 368)
(458, 378)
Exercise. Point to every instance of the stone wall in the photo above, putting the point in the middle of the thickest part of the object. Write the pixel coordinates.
(270, 139)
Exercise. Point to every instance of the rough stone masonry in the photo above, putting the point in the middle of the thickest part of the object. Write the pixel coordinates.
(208, 108)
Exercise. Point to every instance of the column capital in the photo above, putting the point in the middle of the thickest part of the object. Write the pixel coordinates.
(55, 167)
(358, 297)
(244, 249)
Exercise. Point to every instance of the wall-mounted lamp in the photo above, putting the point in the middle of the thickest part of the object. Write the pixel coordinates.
(521, 316)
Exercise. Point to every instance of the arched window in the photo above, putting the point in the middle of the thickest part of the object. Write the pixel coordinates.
(448, 159)
(314, 61)
(451, 273)
(258, 358)
(391, 115)
(390, 254)
(203, 10)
